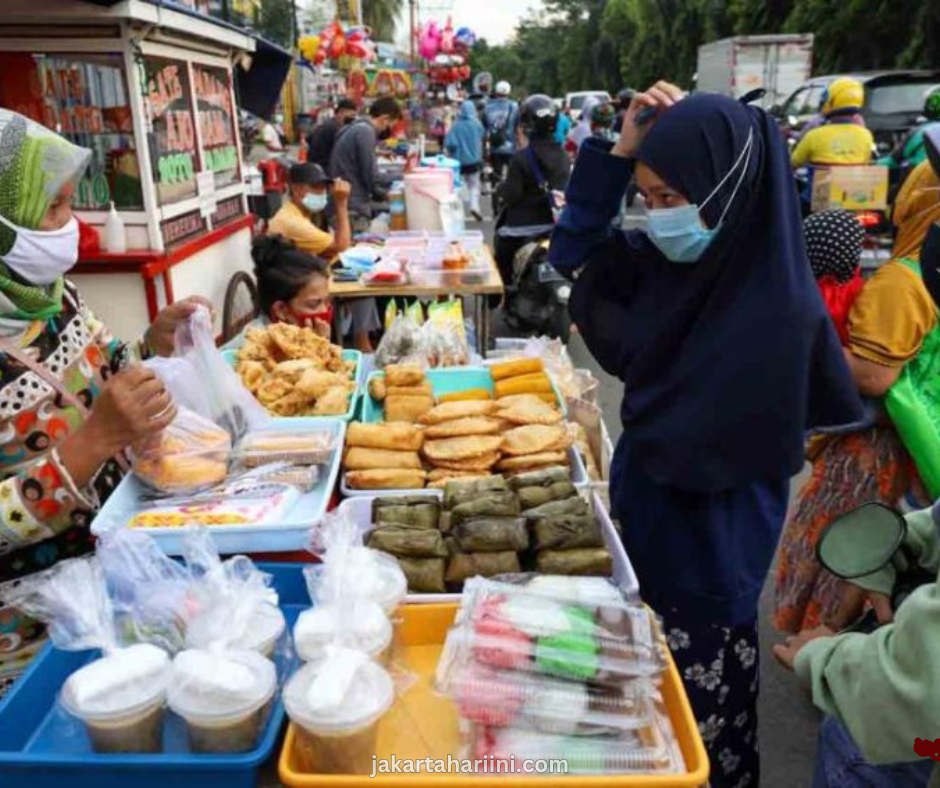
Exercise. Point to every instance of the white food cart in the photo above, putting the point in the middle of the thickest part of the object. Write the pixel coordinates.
(148, 86)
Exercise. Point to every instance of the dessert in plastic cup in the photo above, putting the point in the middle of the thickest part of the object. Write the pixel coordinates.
(264, 630)
(120, 698)
(336, 705)
(359, 624)
(376, 576)
(224, 697)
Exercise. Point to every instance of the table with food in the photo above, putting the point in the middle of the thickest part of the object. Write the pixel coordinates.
(328, 559)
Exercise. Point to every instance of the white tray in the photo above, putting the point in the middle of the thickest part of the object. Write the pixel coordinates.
(292, 533)
(360, 510)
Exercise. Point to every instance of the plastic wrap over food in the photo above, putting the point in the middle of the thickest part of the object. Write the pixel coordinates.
(401, 343)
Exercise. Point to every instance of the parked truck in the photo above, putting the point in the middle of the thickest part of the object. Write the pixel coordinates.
(736, 66)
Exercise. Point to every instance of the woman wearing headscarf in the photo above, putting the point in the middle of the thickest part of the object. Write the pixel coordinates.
(584, 130)
(68, 406)
(713, 321)
(886, 327)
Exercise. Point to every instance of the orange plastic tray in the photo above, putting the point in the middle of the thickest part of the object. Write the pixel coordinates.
(423, 723)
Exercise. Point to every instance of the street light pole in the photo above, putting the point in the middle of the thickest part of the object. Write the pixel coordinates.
(413, 11)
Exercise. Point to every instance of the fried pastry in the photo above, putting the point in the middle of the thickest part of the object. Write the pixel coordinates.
(472, 425)
(386, 479)
(531, 461)
(335, 402)
(477, 464)
(449, 411)
(529, 409)
(410, 409)
(403, 375)
(465, 448)
(396, 436)
(534, 438)
(359, 459)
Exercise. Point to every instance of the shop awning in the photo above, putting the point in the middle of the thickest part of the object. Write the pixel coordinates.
(259, 88)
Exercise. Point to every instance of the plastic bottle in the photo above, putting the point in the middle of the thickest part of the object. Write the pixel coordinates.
(115, 237)
(396, 201)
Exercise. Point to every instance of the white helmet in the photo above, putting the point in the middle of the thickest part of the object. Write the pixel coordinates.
(503, 88)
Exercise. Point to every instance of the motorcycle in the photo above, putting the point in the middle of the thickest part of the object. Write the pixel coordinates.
(537, 297)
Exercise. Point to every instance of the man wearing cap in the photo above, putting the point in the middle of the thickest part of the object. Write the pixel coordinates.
(321, 140)
(309, 188)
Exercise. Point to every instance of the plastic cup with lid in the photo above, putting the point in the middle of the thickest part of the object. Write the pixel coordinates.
(376, 576)
(336, 705)
(359, 624)
(264, 630)
(121, 699)
(223, 697)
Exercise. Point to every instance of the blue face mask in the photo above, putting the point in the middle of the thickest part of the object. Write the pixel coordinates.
(679, 233)
(315, 203)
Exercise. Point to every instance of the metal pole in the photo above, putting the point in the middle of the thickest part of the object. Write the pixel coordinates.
(293, 19)
(413, 8)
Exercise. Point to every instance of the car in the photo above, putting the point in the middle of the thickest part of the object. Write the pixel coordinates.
(894, 101)
(574, 101)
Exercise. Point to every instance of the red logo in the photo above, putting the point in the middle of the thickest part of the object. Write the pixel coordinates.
(927, 749)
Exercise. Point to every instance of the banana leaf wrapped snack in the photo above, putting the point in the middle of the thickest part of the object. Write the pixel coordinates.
(544, 477)
(587, 561)
(404, 542)
(466, 565)
(568, 506)
(492, 535)
(420, 514)
(425, 575)
(568, 532)
(460, 491)
(492, 504)
(531, 497)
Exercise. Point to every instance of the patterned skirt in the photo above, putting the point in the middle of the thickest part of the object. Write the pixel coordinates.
(871, 465)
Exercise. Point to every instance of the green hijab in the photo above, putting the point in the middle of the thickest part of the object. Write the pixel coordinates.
(35, 164)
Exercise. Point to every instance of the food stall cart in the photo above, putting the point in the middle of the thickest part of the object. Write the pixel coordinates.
(148, 87)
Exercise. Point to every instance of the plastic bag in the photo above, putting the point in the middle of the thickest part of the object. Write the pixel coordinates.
(191, 454)
(234, 607)
(148, 590)
(402, 342)
(231, 405)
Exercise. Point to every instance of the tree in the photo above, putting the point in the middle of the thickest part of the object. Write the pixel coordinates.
(382, 17)
(276, 22)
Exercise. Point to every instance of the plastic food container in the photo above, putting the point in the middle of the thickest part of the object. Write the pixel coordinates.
(120, 699)
(337, 704)
(223, 697)
(300, 447)
(265, 630)
(369, 574)
(360, 624)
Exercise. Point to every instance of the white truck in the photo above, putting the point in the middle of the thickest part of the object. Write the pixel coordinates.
(736, 66)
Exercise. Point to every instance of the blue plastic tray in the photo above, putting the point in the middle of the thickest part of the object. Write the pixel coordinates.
(443, 381)
(231, 355)
(291, 533)
(38, 748)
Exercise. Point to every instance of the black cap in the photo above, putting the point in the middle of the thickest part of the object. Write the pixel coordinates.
(346, 103)
(309, 174)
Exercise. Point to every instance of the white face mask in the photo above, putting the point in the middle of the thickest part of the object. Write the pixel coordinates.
(42, 256)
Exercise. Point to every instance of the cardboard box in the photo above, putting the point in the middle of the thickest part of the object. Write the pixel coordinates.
(855, 188)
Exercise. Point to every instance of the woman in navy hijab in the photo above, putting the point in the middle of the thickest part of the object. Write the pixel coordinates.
(712, 319)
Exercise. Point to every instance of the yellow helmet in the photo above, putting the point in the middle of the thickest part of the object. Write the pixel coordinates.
(843, 93)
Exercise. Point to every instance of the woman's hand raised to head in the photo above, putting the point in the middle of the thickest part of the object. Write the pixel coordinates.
(657, 99)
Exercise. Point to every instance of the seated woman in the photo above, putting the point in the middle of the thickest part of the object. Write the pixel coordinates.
(69, 403)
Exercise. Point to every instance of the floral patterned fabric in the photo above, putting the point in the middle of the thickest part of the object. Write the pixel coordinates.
(721, 670)
(871, 465)
(44, 516)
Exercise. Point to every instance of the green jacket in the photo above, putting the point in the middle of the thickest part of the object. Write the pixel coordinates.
(885, 687)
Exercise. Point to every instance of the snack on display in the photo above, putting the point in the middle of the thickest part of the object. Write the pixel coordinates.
(303, 447)
(396, 436)
(466, 395)
(463, 566)
(467, 447)
(516, 368)
(470, 425)
(293, 371)
(357, 624)
(450, 411)
(191, 454)
(584, 561)
(358, 458)
(385, 479)
(407, 408)
(425, 575)
(528, 409)
(405, 374)
(535, 439)
(403, 542)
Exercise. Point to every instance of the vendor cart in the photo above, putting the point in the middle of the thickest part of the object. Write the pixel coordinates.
(148, 87)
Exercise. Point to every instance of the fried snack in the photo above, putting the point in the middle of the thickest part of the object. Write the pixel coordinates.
(385, 479)
(360, 459)
(293, 369)
(295, 342)
(410, 391)
(185, 458)
(465, 448)
(272, 390)
(526, 384)
(449, 411)
(335, 402)
(408, 409)
(534, 439)
(258, 347)
(530, 410)
(396, 436)
(468, 395)
(478, 464)
(377, 389)
(252, 373)
(314, 383)
(551, 399)
(529, 461)
(472, 425)
(512, 369)
(403, 375)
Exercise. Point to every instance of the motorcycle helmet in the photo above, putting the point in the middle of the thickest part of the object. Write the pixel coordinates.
(503, 88)
(603, 115)
(538, 116)
(625, 97)
(932, 105)
(844, 94)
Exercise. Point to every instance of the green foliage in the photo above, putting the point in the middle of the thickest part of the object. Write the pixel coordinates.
(588, 44)
(276, 22)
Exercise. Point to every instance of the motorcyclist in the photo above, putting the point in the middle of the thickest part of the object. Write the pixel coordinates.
(624, 99)
(840, 139)
(501, 118)
(911, 151)
(537, 169)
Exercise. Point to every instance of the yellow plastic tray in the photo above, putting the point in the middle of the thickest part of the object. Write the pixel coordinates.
(424, 724)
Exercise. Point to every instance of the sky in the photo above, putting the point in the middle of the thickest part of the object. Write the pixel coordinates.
(494, 20)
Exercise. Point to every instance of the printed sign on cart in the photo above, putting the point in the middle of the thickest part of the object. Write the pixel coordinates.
(216, 123)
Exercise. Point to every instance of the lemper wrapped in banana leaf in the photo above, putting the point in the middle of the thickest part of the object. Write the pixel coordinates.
(492, 504)
(530, 497)
(574, 505)
(467, 565)
(492, 534)
(589, 561)
(543, 477)
(420, 515)
(408, 542)
(425, 575)
(458, 491)
(567, 533)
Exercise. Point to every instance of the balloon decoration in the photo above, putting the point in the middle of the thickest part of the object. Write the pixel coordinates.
(334, 42)
(446, 51)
